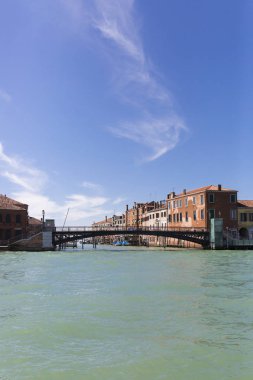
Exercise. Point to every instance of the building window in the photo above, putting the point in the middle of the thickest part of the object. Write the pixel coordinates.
(169, 205)
(202, 214)
(18, 219)
(211, 213)
(243, 217)
(180, 217)
(180, 203)
(186, 216)
(232, 198)
(164, 214)
(174, 204)
(202, 199)
(233, 213)
(177, 217)
(186, 202)
(194, 215)
(1, 218)
(7, 218)
(169, 218)
(251, 217)
(211, 198)
(174, 218)
(193, 200)
(157, 215)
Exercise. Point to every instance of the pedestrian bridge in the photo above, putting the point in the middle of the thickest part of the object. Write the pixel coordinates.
(62, 235)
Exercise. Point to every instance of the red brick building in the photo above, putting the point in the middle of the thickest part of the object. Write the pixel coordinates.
(197, 207)
(13, 218)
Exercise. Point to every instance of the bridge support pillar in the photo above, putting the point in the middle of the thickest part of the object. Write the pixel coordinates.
(47, 240)
(216, 233)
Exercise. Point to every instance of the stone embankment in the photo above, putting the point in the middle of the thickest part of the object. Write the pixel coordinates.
(39, 242)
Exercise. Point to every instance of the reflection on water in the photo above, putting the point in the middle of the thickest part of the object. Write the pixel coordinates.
(126, 314)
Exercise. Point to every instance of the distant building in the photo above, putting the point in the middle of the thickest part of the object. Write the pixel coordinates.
(104, 224)
(191, 209)
(13, 218)
(245, 219)
(107, 222)
(118, 221)
(195, 208)
(133, 215)
(154, 216)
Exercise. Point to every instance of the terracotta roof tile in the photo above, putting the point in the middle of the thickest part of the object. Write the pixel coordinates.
(109, 220)
(34, 221)
(10, 204)
(245, 203)
(205, 188)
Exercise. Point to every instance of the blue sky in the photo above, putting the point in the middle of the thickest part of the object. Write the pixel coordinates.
(107, 102)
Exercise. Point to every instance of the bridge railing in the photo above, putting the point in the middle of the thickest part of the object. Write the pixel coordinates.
(76, 229)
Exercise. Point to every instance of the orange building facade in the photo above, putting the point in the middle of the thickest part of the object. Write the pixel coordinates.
(195, 208)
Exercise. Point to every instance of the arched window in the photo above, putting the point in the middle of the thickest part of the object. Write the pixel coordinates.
(8, 218)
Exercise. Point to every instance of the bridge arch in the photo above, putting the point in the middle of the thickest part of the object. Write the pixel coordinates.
(62, 236)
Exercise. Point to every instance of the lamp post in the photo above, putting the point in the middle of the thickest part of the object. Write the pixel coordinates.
(43, 219)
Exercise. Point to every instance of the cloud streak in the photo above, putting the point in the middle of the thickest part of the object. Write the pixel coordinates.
(92, 186)
(159, 126)
(21, 173)
(159, 135)
(29, 187)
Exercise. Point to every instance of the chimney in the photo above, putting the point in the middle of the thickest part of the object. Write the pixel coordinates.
(126, 207)
(219, 187)
(184, 191)
(106, 218)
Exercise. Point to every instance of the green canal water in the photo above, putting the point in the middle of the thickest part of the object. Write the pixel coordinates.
(127, 314)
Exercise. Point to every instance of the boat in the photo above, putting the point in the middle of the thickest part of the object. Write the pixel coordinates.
(120, 243)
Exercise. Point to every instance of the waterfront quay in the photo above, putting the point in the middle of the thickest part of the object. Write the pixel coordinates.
(208, 217)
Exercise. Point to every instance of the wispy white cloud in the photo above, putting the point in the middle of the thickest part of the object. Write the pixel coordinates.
(116, 23)
(114, 20)
(5, 96)
(21, 173)
(92, 186)
(81, 207)
(159, 135)
(30, 186)
(119, 200)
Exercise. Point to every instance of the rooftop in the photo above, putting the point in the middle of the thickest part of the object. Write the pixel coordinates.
(34, 221)
(205, 188)
(245, 203)
(105, 221)
(10, 204)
